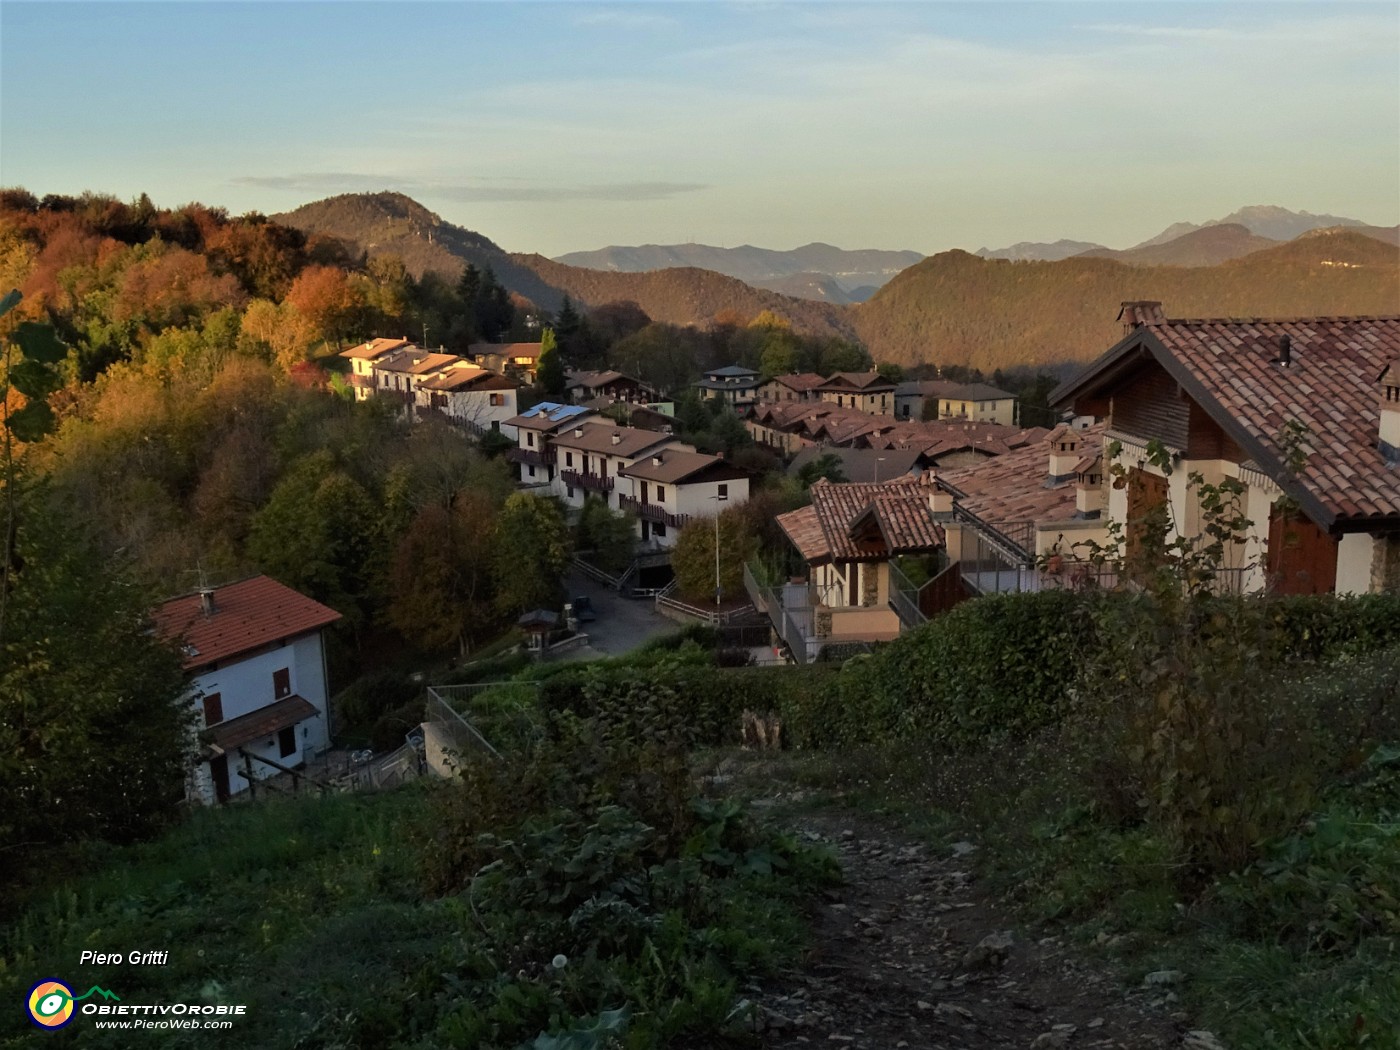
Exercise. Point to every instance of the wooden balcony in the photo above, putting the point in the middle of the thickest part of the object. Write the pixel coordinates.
(652, 512)
(532, 456)
(588, 482)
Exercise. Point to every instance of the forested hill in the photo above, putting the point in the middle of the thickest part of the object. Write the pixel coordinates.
(392, 224)
(1208, 246)
(955, 308)
(687, 296)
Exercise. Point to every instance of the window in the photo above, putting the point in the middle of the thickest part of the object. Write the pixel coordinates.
(498, 399)
(281, 684)
(530, 438)
(532, 471)
(658, 529)
(570, 490)
(660, 493)
(287, 741)
(213, 709)
(568, 459)
(723, 492)
(644, 493)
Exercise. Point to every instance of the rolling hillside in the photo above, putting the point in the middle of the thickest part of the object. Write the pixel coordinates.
(685, 296)
(759, 266)
(1208, 246)
(955, 308)
(391, 223)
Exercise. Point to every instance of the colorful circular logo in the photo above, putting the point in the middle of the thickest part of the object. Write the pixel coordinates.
(51, 1004)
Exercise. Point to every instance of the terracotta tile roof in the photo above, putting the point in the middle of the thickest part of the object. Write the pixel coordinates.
(549, 415)
(247, 615)
(1228, 366)
(471, 377)
(802, 382)
(263, 722)
(861, 464)
(1014, 487)
(414, 361)
(597, 437)
(677, 466)
(374, 348)
(900, 510)
(859, 382)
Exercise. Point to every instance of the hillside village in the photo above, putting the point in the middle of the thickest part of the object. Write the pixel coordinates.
(580, 630)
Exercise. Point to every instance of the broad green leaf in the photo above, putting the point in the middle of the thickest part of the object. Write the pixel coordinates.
(31, 422)
(32, 379)
(40, 343)
(10, 301)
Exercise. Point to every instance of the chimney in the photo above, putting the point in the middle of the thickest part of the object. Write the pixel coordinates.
(617, 437)
(206, 601)
(578, 432)
(1088, 491)
(940, 501)
(1139, 312)
(656, 460)
(1285, 352)
(1390, 413)
(1065, 443)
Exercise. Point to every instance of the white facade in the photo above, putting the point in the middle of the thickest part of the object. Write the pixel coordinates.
(246, 684)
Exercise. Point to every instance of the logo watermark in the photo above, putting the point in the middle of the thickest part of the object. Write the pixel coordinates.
(51, 1002)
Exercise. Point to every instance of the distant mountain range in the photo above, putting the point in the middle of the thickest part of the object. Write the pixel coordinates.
(1039, 251)
(950, 308)
(813, 271)
(1262, 220)
(954, 308)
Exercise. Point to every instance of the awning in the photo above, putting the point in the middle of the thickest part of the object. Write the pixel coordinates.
(265, 721)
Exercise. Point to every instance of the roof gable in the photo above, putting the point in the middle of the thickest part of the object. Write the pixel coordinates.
(246, 615)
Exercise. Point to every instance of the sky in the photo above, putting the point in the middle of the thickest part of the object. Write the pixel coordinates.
(554, 127)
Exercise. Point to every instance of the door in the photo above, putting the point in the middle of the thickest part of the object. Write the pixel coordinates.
(218, 767)
(1147, 519)
(1302, 558)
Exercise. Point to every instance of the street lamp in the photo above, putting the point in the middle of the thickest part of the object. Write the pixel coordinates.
(718, 500)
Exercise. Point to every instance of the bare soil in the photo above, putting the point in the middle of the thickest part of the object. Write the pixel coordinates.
(913, 951)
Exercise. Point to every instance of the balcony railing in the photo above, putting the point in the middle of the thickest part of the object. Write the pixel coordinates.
(590, 482)
(652, 512)
(533, 456)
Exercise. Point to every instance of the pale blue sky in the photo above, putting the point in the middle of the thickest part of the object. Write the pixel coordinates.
(558, 127)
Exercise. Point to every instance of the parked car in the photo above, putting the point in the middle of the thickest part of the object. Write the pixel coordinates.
(583, 609)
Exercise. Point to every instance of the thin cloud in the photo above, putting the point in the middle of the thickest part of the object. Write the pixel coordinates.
(494, 190)
(615, 18)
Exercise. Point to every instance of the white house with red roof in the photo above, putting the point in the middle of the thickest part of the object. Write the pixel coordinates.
(257, 667)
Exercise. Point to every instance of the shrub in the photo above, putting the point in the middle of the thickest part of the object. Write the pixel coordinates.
(363, 703)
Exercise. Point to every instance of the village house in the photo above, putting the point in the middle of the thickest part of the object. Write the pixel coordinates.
(800, 386)
(517, 360)
(590, 456)
(535, 430)
(668, 487)
(850, 537)
(583, 387)
(975, 402)
(736, 386)
(362, 360)
(1220, 397)
(869, 392)
(257, 668)
(399, 374)
(471, 397)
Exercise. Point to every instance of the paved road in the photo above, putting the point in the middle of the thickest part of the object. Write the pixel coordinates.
(623, 624)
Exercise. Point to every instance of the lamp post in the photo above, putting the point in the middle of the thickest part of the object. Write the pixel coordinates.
(878, 461)
(718, 500)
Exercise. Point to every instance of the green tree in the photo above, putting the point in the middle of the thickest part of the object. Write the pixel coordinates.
(94, 722)
(827, 465)
(442, 582)
(693, 558)
(607, 534)
(780, 353)
(531, 551)
(890, 372)
(319, 534)
(550, 375)
(841, 356)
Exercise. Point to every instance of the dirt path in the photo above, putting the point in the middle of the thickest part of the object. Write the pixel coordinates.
(912, 952)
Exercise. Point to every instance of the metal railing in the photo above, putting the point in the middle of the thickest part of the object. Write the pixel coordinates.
(904, 598)
(464, 736)
(533, 456)
(651, 511)
(591, 482)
